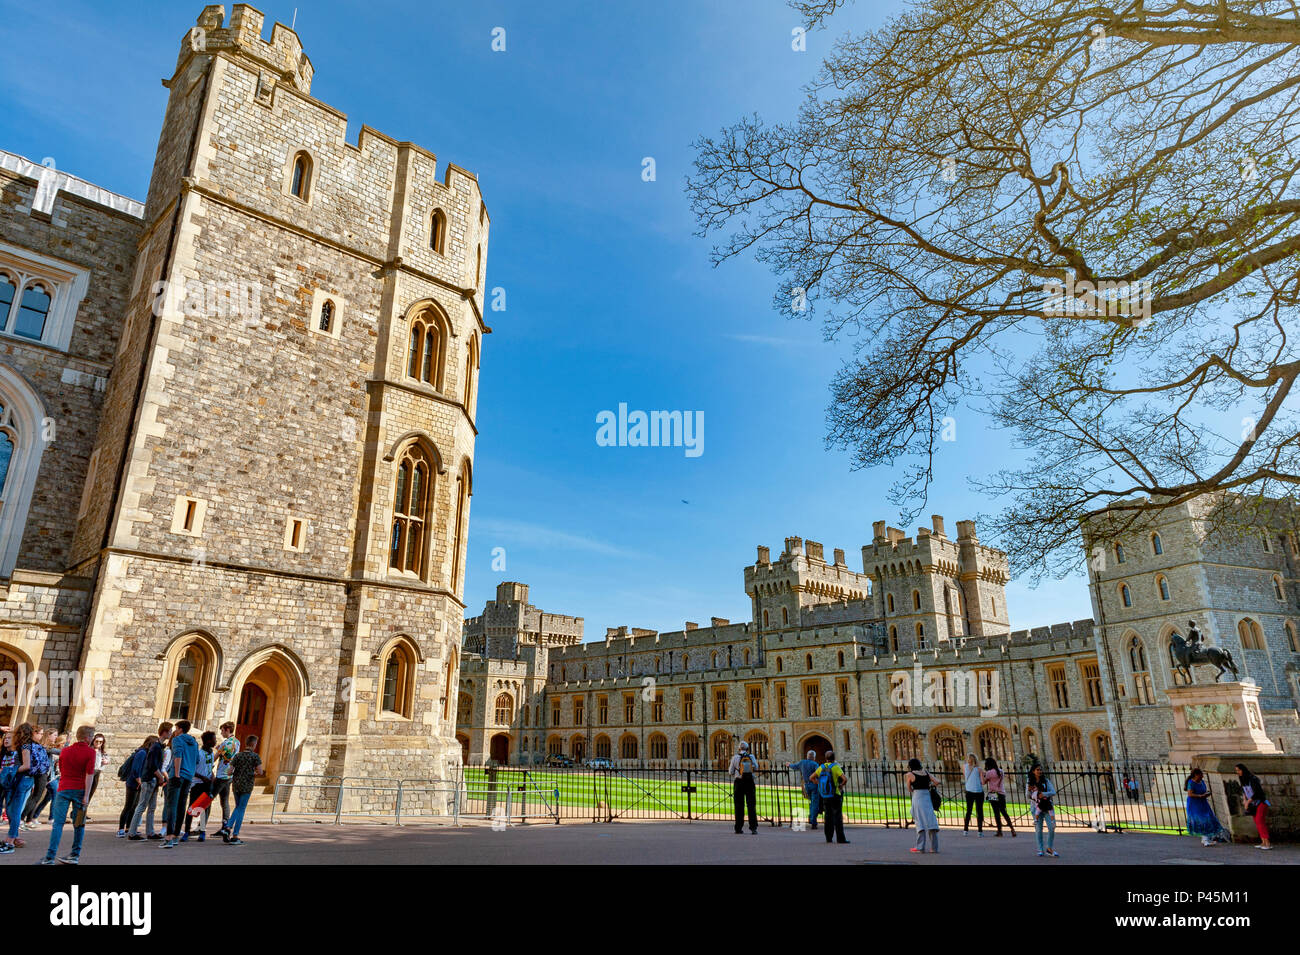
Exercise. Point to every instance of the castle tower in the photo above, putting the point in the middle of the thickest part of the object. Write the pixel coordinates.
(281, 505)
(781, 590)
(931, 589)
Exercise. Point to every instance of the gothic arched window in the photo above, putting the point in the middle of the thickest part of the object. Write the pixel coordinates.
(300, 177)
(411, 495)
(398, 681)
(427, 349)
(438, 231)
(33, 310)
(21, 422)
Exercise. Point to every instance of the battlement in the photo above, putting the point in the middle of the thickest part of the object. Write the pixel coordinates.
(1080, 630)
(242, 36)
(804, 562)
(932, 547)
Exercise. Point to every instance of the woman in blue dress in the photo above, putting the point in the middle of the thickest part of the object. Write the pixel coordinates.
(1201, 820)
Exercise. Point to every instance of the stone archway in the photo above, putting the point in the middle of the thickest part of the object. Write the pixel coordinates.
(819, 744)
(268, 697)
(464, 748)
(499, 749)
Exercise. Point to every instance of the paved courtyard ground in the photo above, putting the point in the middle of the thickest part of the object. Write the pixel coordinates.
(637, 843)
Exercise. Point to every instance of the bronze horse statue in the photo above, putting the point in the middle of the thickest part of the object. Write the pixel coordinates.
(1185, 654)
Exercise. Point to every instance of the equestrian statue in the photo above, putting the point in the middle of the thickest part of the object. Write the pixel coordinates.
(1185, 654)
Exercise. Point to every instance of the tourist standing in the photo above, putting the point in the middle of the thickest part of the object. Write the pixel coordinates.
(134, 773)
(20, 788)
(1040, 791)
(151, 779)
(807, 766)
(77, 768)
(830, 780)
(99, 743)
(202, 784)
(974, 786)
(921, 785)
(41, 767)
(744, 790)
(243, 770)
(223, 754)
(995, 779)
(1257, 804)
(185, 759)
(1201, 820)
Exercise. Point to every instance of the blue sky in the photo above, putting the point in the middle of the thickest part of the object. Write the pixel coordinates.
(610, 296)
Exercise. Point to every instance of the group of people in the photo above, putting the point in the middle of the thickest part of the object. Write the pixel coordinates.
(824, 782)
(37, 769)
(1204, 822)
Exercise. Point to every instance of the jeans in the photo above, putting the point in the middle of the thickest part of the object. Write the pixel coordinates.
(934, 839)
(62, 800)
(17, 801)
(237, 817)
(814, 805)
(834, 809)
(220, 790)
(177, 789)
(745, 795)
(145, 805)
(1049, 818)
(975, 801)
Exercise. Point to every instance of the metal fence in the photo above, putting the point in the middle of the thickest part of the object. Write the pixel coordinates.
(1103, 796)
(1106, 796)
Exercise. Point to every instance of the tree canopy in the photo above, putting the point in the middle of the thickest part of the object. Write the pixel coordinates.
(1079, 219)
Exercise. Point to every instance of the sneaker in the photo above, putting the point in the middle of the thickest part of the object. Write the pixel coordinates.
(1264, 847)
(185, 837)
(19, 843)
(48, 860)
(1053, 853)
(154, 836)
(203, 837)
(134, 837)
(121, 833)
(5, 849)
(915, 849)
(70, 860)
(225, 836)
(1040, 855)
(236, 841)
(169, 844)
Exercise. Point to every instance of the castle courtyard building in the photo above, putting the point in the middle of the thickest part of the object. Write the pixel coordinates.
(912, 656)
(238, 424)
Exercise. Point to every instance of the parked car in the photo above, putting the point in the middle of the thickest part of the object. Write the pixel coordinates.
(600, 762)
(556, 760)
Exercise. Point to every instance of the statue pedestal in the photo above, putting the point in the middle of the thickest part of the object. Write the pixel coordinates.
(1217, 718)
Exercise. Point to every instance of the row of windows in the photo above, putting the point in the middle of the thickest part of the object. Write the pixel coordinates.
(190, 676)
(300, 184)
(947, 744)
(1162, 589)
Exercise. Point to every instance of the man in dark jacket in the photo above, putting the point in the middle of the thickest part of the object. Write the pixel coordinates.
(151, 779)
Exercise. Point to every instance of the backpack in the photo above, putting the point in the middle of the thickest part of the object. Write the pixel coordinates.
(826, 781)
(124, 771)
(40, 760)
(746, 763)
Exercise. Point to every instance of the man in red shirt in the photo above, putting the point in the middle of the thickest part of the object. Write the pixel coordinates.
(76, 767)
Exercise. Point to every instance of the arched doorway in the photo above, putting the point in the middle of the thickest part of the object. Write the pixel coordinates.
(499, 749)
(13, 688)
(818, 744)
(268, 692)
(464, 748)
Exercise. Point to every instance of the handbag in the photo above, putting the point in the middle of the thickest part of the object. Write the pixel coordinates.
(935, 799)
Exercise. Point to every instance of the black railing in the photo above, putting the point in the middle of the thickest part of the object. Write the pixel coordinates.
(1089, 795)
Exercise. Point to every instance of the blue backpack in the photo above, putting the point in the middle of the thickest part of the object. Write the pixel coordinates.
(826, 781)
(40, 760)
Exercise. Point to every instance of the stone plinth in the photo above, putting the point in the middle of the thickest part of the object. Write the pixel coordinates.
(1217, 718)
(1280, 775)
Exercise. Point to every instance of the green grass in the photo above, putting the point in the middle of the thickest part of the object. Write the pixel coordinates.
(662, 797)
